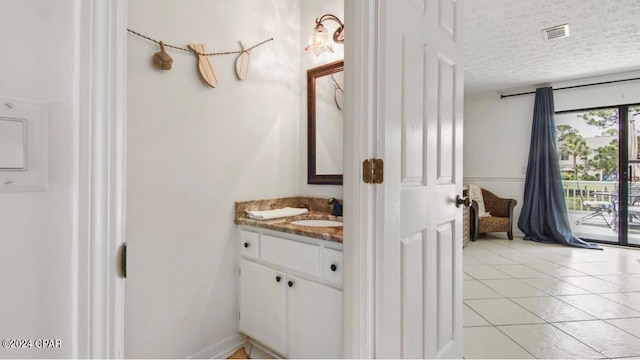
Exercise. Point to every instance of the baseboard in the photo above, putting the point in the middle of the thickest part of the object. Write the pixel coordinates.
(474, 179)
(223, 349)
(264, 349)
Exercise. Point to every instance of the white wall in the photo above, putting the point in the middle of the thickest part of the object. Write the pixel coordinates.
(498, 131)
(36, 228)
(192, 152)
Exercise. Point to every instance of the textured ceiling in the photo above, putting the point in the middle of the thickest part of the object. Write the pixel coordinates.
(504, 47)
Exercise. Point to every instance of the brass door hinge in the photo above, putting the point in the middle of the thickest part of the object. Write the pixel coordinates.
(373, 171)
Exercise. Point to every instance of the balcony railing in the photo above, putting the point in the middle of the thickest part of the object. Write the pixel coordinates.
(575, 192)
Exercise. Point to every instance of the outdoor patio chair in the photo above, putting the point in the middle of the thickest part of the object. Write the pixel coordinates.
(598, 208)
(634, 211)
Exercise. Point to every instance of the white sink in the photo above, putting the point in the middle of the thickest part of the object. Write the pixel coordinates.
(318, 223)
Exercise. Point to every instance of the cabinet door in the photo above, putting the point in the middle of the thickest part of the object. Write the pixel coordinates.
(315, 320)
(262, 304)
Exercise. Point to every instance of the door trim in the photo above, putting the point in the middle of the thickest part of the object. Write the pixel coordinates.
(100, 159)
(360, 199)
(107, 313)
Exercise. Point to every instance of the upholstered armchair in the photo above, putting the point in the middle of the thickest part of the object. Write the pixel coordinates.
(500, 218)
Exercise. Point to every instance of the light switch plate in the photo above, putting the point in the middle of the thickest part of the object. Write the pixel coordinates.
(24, 145)
(13, 144)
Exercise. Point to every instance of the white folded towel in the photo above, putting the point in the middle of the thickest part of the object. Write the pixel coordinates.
(277, 213)
(475, 193)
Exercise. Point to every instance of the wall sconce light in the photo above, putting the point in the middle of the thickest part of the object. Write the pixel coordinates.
(319, 41)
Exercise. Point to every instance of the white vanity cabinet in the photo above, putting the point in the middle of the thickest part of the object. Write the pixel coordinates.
(314, 320)
(287, 300)
(262, 304)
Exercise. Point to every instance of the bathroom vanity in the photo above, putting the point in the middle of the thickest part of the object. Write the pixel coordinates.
(290, 284)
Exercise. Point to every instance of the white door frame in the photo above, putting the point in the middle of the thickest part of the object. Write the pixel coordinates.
(361, 52)
(102, 178)
(365, 219)
(100, 206)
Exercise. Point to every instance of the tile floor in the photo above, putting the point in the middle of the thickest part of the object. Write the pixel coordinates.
(529, 300)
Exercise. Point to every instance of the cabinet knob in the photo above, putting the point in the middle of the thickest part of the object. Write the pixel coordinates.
(290, 283)
(334, 267)
(246, 245)
(278, 278)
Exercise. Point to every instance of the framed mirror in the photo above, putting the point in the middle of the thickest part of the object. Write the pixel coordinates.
(325, 120)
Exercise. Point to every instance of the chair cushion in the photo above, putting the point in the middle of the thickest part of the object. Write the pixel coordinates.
(493, 224)
(598, 204)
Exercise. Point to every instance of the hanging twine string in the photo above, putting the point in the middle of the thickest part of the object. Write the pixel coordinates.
(207, 54)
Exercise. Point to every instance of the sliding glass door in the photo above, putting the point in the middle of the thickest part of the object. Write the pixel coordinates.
(588, 146)
(633, 178)
(598, 151)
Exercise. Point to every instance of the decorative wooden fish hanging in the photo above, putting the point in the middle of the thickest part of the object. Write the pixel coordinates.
(242, 63)
(207, 72)
(161, 59)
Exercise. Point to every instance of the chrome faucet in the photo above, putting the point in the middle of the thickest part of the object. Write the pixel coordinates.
(337, 207)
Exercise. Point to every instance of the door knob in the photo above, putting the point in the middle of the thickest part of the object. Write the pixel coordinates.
(334, 267)
(246, 245)
(466, 201)
(278, 278)
(290, 283)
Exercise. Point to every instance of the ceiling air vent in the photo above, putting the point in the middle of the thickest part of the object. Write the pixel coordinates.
(556, 32)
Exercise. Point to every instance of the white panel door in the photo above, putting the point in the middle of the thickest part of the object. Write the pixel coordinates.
(419, 294)
(262, 304)
(315, 320)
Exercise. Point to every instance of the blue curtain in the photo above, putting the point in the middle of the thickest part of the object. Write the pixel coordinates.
(544, 216)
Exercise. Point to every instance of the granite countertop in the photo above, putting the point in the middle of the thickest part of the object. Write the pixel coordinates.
(319, 209)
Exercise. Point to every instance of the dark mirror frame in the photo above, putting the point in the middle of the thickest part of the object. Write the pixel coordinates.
(312, 75)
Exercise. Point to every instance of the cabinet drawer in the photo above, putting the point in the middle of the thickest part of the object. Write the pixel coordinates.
(332, 265)
(249, 244)
(290, 254)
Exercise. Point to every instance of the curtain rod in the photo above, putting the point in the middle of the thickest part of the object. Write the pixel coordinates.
(572, 87)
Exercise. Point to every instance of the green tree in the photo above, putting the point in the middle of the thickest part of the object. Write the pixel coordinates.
(605, 160)
(601, 118)
(565, 131)
(606, 118)
(576, 147)
(609, 132)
